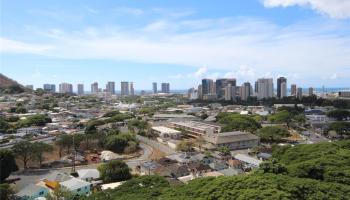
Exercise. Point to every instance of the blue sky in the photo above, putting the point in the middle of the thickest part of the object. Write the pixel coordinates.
(179, 42)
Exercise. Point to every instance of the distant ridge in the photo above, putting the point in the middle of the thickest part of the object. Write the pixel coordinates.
(8, 85)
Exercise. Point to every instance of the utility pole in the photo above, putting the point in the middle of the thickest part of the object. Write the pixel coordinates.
(74, 155)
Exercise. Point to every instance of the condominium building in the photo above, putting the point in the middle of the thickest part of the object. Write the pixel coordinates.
(293, 90)
(155, 88)
(300, 93)
(66, 88)
(94, 88)
(245, 91)
(165, 87)
(50, 88)
(311, 91)
(31, 87)
(124, 88)
(80, 89)
(265, 88)
(281, 87)
(110, 87)
(221, 84)
(207, 84)
(132, 91)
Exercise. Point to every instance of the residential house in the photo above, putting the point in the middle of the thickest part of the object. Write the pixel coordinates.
(88, 174)
(77, 186)
(32, 192)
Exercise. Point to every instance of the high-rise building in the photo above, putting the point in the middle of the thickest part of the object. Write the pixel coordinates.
(110, 87)
(31, 87)
(165, 88)
(244, 91)
(293, 90)
(207, 84)
(300, 93)
(221, 84)
(265, 88)
(80, 89)
(228, 92)
(155, 89)
(256, 88)
(94, 88)
(66, 88)
(132, 91)
(200, 94)
(311, 91)
(124, 88)
(281, 87)
(50, 88)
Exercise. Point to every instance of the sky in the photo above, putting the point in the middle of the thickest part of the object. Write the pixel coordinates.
(175, 41)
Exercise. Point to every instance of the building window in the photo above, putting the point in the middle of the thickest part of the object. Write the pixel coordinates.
(41, 193)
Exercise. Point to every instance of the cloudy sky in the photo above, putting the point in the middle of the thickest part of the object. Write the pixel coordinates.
(175, 41)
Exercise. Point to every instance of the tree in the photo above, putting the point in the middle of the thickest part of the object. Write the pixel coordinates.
(237, 122)
(224, 150)
(185, 146)
(7, 164)
(341, 128)
(6, 192)
(339, 114)
(117, 143)
(61, 193)
(24, 151)
(114, 171)
(281, 117)
(272, 133)
(4, 125)
(39, 148)
(273, 166)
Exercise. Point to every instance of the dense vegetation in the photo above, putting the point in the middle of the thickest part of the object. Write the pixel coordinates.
(237, 122)
(114, 171)
(7, 164)
(9, 125)
(329, 161)
(256, 186)
(317, 171)
(273, 133)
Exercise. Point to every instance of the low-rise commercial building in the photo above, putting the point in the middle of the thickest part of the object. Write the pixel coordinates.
(233, 140)
(197, 129)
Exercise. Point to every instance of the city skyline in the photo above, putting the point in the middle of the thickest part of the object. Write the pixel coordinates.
(177, 42)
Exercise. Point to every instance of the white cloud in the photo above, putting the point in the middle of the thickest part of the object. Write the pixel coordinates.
(201, 72)
(129, 11)
(243, 48)
(12, 46)
(334, 76)
(338, 9)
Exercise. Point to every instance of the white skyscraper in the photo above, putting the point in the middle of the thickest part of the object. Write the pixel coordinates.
(66, 88)
(132, 91)
(265, 88)
(283, 89)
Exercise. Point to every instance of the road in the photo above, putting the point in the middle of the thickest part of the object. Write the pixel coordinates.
(35, 176)
(161, 147)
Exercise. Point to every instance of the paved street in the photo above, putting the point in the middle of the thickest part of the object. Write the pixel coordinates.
(161, 147)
